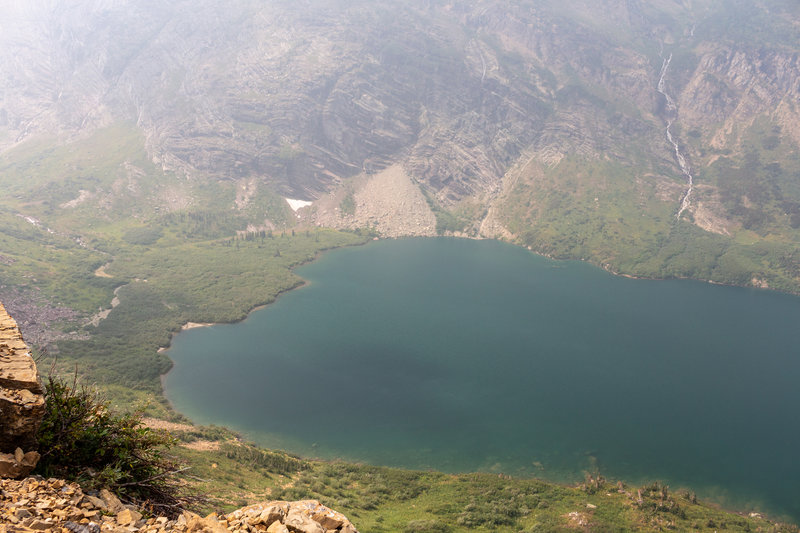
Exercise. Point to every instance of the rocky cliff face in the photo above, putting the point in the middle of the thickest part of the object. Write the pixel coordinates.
(300, 94)
(731, 86)
(21, 401)
(303, 95)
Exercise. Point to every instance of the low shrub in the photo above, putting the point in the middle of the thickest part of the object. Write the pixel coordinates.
(426, 526)
(271, 461)
(81, 439)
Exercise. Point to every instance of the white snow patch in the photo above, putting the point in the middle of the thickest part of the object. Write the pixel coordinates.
(82, 197)
(297, 204)
(30, 220)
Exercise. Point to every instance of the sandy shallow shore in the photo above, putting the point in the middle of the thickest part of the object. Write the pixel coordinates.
(192, 325)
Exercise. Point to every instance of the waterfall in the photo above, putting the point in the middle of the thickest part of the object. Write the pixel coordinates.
(672, 114)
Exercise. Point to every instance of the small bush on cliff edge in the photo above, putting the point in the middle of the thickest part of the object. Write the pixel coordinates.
(81, 439)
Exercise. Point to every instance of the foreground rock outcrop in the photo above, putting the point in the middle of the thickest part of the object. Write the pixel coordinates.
(21, 401)
(36, 504)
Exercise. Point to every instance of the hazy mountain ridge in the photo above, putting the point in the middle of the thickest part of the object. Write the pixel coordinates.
(296, 75)
(470, 98)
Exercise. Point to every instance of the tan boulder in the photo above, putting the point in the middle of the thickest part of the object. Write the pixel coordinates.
(324, 516)
(261, 513)
(277, 527)
(96, 502)
(272, 513)
(329, 519)
(185, 518)
(17, 465)
(128, 517)
(111, 502)
(21, 393)
(299, 522)
(209, 524)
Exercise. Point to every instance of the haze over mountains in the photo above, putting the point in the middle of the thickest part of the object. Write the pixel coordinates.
(540, 122)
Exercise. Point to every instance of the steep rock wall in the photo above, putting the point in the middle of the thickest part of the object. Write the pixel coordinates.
(21, 394)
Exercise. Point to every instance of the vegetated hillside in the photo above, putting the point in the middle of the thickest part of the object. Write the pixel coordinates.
(540, 122)
(380, 499)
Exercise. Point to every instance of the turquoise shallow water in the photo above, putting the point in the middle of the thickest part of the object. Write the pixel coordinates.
(467, 355)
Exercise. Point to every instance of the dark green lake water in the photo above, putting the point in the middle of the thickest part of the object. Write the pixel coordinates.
(467, 355)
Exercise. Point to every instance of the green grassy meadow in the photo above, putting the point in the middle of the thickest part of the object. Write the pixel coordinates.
(380, 499)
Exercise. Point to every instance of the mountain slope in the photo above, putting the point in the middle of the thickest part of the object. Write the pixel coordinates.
(538, 122)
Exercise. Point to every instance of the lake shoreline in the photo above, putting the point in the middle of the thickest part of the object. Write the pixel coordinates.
(302, 283)
(490, 253)
(606, 267)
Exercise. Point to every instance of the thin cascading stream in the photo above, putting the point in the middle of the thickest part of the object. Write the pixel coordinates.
(671, 115)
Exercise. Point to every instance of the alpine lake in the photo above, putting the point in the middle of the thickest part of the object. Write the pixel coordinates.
(463, 355)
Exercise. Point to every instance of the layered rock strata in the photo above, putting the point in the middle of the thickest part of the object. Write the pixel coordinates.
(36, 504)
(21, 401)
